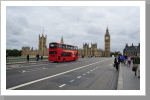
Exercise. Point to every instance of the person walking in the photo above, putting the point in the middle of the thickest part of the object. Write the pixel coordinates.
(6, 58)
(125, 59)
(117, 62)
(129, 61)
(37, 57)
(42, 57)
(28, 58)
(122, 59)
(136, 63)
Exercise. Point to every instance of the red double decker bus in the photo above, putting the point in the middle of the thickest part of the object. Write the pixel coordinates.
(59, 52)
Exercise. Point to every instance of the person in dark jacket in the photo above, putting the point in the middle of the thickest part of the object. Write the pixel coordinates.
(117, 62)
(28, 57)
(136, 63)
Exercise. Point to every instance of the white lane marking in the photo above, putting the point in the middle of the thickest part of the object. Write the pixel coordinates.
(72, 80)
(24, 66)
(111, 64)
(62, 85)
(31, 70)
(79, 77)
(84, 74)
(38, 80)
(88, 72)
(23, 71)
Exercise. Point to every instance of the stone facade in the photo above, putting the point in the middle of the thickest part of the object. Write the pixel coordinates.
(86, 51)
(131, 50)
(107, 43)
(91, 51)
(42, 48)
(94, 51)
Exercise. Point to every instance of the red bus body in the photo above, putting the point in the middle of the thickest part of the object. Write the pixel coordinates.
(59, 52)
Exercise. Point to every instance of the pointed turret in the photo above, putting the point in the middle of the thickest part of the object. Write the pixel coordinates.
(62, 40)
(107, 31)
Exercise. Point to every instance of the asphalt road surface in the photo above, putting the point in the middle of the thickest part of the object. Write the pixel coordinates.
(83, 74)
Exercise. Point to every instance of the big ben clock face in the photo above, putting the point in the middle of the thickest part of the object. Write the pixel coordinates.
(106, 38)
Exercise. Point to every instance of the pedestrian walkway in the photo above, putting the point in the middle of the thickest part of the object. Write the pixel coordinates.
(129, 80)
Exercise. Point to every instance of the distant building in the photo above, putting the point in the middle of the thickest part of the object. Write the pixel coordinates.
(62, 41)
(94, 51)
(91, 51)
(86, 51)
(42, 48)
(131, 50)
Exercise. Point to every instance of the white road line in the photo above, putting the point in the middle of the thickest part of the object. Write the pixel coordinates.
(31, 70)
(88, 72)
(38, 80)
(62, 85)
(79, 77)
(72, 80)
(91, 70)
(111, 64)
(84, 74)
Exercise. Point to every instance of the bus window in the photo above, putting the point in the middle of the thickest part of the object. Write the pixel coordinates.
(72, 47)
(52, 52)
(64, 46)
(68, 47)
(76, 48)
(60, 46)
(66, 54)
(53, 45)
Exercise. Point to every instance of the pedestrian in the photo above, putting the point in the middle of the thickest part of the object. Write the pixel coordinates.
(37, 57)
(129, 61)
(117, 62)
(6, 58)
(122, 59)
(136, 63)
(125, 59)
(42, 57)
(28, 58)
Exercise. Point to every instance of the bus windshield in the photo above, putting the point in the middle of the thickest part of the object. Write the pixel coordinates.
(53, 45)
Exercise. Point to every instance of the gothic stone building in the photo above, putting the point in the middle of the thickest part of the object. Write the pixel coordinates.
(131, 50)
(91, 51)
(86, 51)
(42, 48)
(94, 51)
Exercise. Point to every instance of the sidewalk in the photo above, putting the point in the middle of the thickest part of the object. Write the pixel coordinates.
(127, 79)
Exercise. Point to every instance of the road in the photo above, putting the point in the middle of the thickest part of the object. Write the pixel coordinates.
(83, 74)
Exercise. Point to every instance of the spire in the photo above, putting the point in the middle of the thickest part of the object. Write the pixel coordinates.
(62, 40)
(107, 31)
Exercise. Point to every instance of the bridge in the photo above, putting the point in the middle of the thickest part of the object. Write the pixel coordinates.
(95, 73)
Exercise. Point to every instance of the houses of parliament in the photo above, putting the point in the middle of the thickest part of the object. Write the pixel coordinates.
(86, 50)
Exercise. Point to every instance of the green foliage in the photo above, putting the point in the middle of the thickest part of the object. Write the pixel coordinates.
(13, 52)
(115, 53)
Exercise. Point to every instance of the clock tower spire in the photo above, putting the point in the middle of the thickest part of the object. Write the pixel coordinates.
(107, 43)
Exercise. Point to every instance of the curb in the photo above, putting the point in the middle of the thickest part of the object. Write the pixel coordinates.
(120, 79)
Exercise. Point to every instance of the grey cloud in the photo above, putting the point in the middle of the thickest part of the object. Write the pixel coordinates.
(77, 25)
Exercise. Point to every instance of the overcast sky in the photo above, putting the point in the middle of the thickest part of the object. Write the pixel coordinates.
(78, 25)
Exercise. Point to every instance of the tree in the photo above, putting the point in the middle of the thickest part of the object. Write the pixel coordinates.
(115, 53)
(13, 52)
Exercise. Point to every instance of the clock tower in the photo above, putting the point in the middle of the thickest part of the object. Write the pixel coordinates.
(107, 43)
